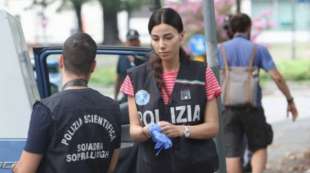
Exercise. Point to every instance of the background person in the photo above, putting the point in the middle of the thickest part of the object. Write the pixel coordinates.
(126, 62)
(249, 121)
(177, 93)
(246, 153)
(77, 129)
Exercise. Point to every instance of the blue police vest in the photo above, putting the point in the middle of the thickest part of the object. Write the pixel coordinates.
(186, 106)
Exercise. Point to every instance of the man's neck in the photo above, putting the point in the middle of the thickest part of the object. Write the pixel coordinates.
(242, 34)
(67, 77)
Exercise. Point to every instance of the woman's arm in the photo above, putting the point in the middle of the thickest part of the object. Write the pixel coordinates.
(208, 129)
(137, 132)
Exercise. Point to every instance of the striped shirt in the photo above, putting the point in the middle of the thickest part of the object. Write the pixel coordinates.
(212, 87)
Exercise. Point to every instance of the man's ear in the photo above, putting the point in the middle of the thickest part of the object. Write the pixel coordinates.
(93, 66)
(61, 62)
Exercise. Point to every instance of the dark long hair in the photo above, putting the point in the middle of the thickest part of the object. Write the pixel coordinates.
(170, 17)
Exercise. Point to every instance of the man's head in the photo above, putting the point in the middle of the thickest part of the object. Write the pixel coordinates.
(79, 54)
(133, 38)
(240, 23)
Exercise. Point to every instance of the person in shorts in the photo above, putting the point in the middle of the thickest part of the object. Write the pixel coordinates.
(247, 120)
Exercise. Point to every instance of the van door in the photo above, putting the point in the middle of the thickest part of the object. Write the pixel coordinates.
(18, 90)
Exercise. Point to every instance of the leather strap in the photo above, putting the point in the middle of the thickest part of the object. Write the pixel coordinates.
(248, 94)
(75, 83)
(226, 72)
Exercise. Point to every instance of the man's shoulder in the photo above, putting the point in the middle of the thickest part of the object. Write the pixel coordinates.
(105, 99)
(139, 68)
(123, 58)
(240, 41)
(50, 101)
(39, 105)
(243, 43)
(123, 63)
(261, 47)
(69, 96)
(96, 95)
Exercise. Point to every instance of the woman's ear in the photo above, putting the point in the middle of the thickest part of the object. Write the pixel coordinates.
(182, 36)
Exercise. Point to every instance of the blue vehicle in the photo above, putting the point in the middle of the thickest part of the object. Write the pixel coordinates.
(21, 87)
(54, 74)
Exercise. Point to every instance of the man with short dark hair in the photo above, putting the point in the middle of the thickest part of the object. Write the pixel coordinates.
(77, 129)
(248, 120)
(125, 62)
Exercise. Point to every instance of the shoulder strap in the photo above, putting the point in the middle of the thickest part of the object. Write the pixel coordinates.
(252, 57)
(224, 58)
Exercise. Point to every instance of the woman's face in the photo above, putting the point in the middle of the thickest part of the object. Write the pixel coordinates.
(166, 41)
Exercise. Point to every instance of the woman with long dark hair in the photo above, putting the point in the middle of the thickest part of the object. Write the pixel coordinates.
(177, 94)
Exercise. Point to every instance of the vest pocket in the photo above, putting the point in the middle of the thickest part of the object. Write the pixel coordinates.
(197, 153)
(148, 162)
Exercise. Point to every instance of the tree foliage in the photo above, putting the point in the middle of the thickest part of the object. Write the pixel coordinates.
(131, 5)
(110, 9)
(42, 3)
(192, 14)
(77, 7)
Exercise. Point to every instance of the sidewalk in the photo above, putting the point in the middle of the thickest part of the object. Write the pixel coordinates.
(290, 151)
(275, 104)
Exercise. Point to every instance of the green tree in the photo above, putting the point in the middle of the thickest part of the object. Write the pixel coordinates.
(42, 3)
(110, 8)
(155, 4)
(75, 4)
(131, 5)
(77, 7)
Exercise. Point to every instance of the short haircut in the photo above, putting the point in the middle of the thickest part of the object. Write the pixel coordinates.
(240, 23)
(79, 53)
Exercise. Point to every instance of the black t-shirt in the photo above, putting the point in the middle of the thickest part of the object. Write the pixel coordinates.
(81, 126)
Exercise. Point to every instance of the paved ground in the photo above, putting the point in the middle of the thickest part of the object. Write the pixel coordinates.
(290, 151)
(275, 104)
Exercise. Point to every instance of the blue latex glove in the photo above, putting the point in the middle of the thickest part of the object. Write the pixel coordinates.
(161, 140)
